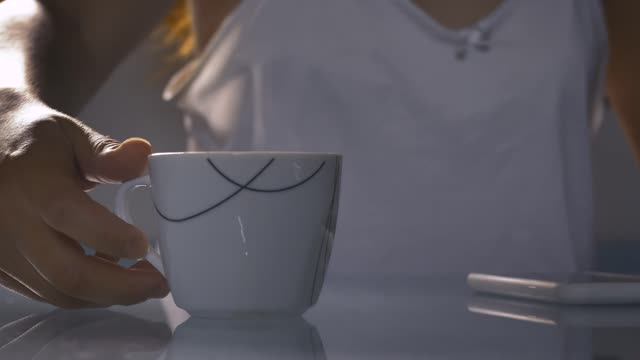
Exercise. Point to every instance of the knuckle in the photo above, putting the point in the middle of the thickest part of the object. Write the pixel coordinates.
(39, 143)
(29, 137)
(11, 98)
(22, 106)
(45, 127)
(38, 135)
(25, 119)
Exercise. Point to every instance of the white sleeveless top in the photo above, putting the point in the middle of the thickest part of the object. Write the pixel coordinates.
(463, 150)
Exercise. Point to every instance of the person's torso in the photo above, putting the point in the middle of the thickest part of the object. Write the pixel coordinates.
(463, 150)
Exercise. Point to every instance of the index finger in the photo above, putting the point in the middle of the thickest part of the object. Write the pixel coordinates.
(89, 278)
(72, 212)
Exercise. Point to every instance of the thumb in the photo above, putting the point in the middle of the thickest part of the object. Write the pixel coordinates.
(104, 160)
(118, 162)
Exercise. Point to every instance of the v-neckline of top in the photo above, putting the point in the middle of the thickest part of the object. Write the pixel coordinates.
(456, 36)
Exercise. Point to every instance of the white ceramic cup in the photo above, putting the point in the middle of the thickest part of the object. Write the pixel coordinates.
(242, 233)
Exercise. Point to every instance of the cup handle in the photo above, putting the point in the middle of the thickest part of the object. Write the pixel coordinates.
(122, 210)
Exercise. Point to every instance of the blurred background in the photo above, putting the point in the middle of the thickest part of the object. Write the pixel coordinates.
(130, 104)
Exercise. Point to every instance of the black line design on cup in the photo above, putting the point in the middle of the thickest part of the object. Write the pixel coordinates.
(247, 187)
(241, 187)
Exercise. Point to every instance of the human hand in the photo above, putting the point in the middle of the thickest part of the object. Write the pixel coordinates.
(47, 162)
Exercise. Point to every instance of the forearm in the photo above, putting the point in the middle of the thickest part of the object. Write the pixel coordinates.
(37, 58)
(18, 24)
(63, 50)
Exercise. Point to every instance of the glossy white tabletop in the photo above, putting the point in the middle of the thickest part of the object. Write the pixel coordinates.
(357, 318)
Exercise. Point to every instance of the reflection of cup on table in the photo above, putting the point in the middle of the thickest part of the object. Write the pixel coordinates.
(243, 233)
(261, 339)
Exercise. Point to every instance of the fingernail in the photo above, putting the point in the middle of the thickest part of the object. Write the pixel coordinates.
(139, 139)
(160, 291)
